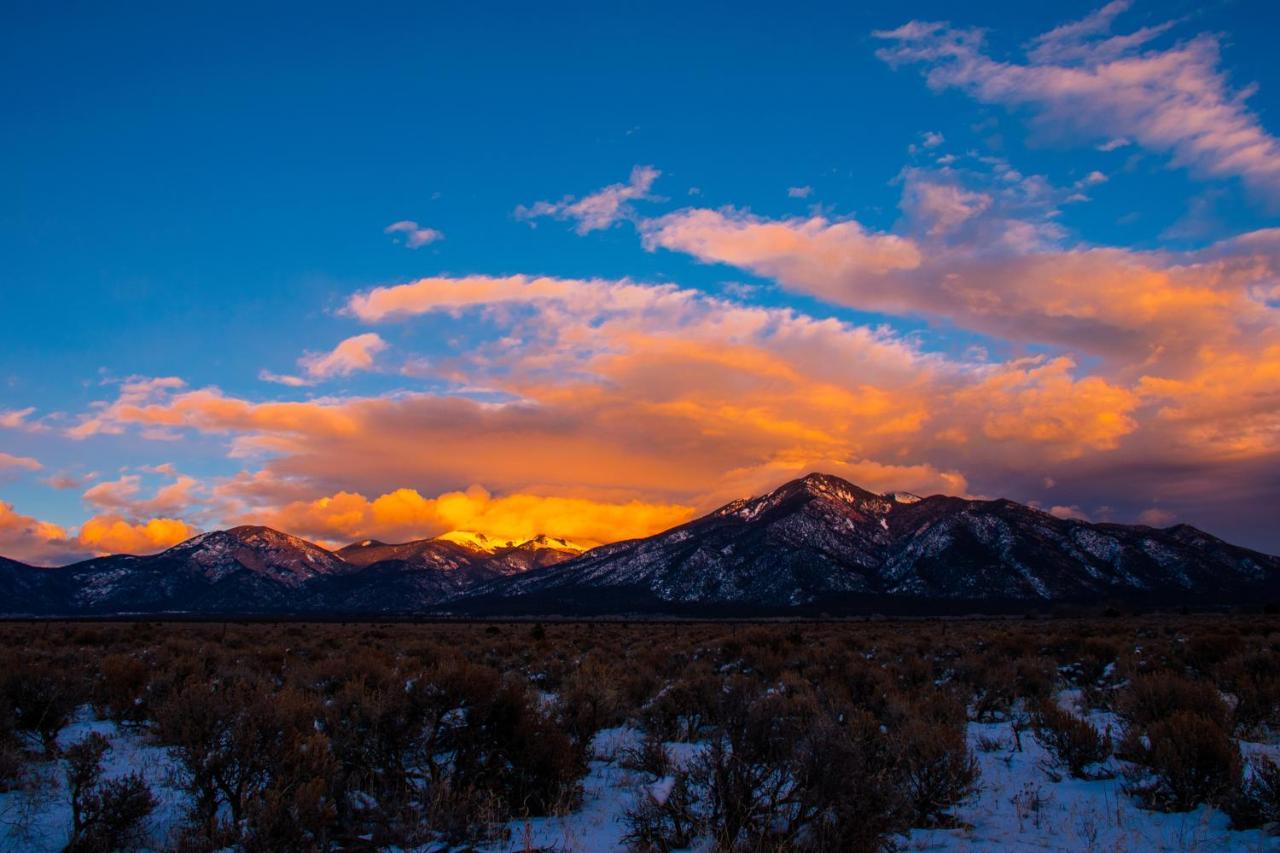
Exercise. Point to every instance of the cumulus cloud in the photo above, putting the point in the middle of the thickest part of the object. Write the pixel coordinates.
(124, 494)
(615, 391)
(799, 192)
(406, 514)
(23, 537)
(1080, 80)
(600, 209)
(110, 534)
(415, 235)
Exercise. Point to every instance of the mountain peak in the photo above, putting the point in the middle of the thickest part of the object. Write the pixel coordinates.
(473, 541)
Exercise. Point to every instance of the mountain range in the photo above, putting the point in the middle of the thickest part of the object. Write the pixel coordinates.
(817, 544)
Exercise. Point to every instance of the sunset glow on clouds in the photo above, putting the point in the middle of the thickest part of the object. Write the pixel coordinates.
(974, 331)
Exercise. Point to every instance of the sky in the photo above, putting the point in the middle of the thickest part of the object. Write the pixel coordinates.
(591, 270)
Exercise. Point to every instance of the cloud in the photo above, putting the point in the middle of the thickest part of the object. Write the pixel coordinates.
(135, 390)
(415, 236)
(613, 391)
(943, 207)
(1039, 399)
(64, 480)
(991, 258)
(16, 418)
(788, 250)
(26, 463)
(799, 192)
(25, 538)
(354, 353)
(405, 514)
(110, 534)
(123, 495)
(351, 355)
(1068, 512)
(1080, 81)
(1156, 517)
(600, 209)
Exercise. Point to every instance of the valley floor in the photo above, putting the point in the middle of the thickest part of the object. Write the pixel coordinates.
(1022, 803)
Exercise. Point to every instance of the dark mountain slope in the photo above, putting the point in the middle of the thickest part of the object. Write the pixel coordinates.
(821, 537)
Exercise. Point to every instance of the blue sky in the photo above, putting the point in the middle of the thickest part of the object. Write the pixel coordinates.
(198, 193)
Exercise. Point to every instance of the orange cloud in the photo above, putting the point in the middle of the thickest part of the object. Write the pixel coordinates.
(23, 537)
(405, 514)
(1039, 401)
(111, 534)
(353, 354)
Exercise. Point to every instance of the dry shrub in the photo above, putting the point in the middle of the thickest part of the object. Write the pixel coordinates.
(779, 773)
(485, 743)
(13, 761)
(1158, 696)
(649, 756)
(297, 809)
(590, 699)
(1203, 651)
(665, 818)
(122, 688)
(684, 708)
(1036, 678)
(1254, 679)
(105, 815)
(1258, 801)
(993, 684)
(42, 698)
(938, 771)
(1186, 759)
(1074, 743)
(232, 743)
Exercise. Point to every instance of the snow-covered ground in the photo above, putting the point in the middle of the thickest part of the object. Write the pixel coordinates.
(37, 816)
(1021, 805)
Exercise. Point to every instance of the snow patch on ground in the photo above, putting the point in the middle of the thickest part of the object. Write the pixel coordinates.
(37, 816)
(1020, 807)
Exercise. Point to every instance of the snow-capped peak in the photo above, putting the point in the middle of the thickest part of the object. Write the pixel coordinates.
(474, 541)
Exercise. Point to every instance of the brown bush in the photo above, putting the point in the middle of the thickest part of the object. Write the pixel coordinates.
(684, 708)
(1073, 742)
(42, 698)
(938, 771)
(1254, 679)
(122, 688)
(1257, 803)
(230, 741)
(1158, 696)
(1186, 760)
(105, 815)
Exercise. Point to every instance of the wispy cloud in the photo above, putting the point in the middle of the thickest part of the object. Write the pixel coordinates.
(415, 235)
(356, 353)
(1079, 80)
(600, 209)
(11, 462)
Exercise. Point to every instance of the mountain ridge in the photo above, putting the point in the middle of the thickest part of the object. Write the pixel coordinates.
(814, 540)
